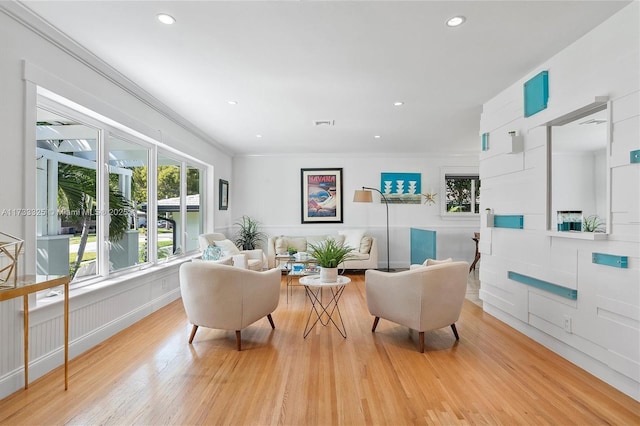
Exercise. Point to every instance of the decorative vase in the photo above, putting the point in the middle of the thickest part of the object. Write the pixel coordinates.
(328, 275)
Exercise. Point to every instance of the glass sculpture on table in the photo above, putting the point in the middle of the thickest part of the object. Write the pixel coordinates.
(10, 248)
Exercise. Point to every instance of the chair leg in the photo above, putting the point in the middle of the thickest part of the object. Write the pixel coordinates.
(375, 324)
(271, 321)
(193, 333)
(238, 340)
(421, 336)
(455, 331)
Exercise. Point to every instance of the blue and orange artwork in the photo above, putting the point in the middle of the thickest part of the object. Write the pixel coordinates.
(321, 193)
(401, 188)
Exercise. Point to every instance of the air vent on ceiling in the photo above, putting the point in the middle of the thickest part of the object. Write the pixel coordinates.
(324, 122)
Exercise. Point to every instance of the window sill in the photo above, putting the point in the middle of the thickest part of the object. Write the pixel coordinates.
(591, 236)
(102, 283)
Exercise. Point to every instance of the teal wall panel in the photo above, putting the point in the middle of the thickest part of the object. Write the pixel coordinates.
(536, 93)
(423, 245)
(508, 221)
(569, 293)
(485, 141)
(634, 156)
(610, 260)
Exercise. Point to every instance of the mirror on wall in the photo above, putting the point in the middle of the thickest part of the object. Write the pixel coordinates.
(578, 171)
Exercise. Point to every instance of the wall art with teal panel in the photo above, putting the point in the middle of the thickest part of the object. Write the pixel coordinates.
(536, 93)
(401, 188)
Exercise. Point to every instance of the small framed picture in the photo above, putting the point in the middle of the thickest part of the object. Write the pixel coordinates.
(321, 195)
(223, 196)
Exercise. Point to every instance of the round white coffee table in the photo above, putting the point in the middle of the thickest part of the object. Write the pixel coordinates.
(324, 312)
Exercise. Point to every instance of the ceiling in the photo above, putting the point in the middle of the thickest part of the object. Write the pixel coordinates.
(288, 64)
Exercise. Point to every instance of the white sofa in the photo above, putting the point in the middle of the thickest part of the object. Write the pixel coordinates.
(364, 255)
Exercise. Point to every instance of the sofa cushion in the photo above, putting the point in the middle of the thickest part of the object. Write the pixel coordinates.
(352, 238)
(365, 244)
(356, 255)
(228, 247)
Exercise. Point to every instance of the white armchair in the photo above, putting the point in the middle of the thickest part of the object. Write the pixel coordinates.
(226, 297)
(248, 259)
(424, 298)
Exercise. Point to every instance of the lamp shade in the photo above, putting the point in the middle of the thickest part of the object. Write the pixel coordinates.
(362, 196)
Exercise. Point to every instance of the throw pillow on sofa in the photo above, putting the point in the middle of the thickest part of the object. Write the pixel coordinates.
(212, 252)
(352, 238)
(365, 244)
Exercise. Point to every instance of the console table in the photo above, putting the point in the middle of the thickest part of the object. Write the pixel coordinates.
(26, 285)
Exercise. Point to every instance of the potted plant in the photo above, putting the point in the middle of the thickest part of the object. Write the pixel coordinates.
(593, 224)
(329, 255)
(291, 250)
(249, 237)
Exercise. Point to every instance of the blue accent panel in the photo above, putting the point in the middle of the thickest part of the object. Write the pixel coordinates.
(610, 260)
(508, 221)
(544, 285)
(423, 245)
(393, 178)
(485, 141)
(634, 156)
(536, 93)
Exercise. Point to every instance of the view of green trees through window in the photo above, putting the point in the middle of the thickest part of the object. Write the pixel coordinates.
(463, 193)
(69, 236)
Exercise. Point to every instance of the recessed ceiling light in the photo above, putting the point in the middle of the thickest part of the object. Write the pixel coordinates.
(399, 103)
(258, 136)
(166, 19)
(376, 137)
(232, 102)
(455, 21)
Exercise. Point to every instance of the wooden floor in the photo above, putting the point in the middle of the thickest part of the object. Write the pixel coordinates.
(149, 375)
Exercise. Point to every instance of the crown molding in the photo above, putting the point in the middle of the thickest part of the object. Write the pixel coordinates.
(29, 19)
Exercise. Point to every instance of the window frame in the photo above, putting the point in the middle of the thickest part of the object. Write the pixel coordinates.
(62, 106)
(446, 172)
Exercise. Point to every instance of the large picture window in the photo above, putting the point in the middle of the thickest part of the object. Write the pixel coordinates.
(97, 220)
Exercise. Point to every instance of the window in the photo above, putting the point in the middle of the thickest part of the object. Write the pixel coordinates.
(93, 220)
(462, 193)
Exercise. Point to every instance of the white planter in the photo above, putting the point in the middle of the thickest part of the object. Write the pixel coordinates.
(328, 275)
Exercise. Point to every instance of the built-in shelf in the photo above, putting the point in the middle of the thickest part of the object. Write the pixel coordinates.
(593, 236)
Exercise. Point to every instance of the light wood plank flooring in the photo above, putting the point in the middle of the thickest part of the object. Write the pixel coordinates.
(149, 375)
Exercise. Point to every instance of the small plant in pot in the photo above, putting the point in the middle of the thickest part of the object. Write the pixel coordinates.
(291, 250)
(249, 237)
(329, 255)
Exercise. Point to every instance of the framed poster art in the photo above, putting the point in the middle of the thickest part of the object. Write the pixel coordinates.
(223, 194)
(321, 195)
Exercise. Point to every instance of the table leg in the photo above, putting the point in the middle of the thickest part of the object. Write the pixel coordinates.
(324, 310)
(25, 303)
(66, 335)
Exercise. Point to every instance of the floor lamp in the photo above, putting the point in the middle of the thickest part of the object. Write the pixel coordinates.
(364, 196)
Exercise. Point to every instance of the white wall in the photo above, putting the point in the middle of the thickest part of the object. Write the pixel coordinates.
(604, 337)
(28, 60)
(267, 188)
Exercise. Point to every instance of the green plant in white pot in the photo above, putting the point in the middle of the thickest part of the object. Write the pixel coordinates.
(329, 255)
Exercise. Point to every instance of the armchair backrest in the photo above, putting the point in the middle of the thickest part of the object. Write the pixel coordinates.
(226, 297)
(424, 298)
(205, 240)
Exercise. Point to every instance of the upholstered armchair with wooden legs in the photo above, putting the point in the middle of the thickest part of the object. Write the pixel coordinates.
(226, 297)
(424, 298)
